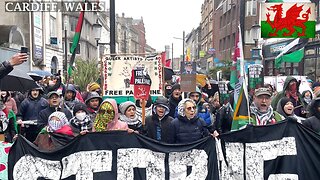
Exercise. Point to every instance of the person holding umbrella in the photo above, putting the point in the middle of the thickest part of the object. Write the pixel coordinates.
(7, 66)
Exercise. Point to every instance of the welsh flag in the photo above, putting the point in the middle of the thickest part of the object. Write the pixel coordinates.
(288, 19)
(292, 53)
(75, 41)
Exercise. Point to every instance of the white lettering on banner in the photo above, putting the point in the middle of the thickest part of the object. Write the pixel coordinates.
(255, 155)
(130, 158)
(283, 177)
(83, 164)
(30, 167)
(234, 170)
(179, 161)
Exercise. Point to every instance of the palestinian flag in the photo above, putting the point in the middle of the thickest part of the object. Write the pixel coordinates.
(75, 41)
(288, 19)
(292, 53)
(241, 116)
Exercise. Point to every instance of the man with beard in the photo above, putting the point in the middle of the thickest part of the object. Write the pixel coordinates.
(93, 102)
(174, 99)
(261, 111)
(291, 90)
(54, 105)
(29, 110)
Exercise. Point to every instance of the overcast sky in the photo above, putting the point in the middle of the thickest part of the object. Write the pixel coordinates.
(163, 19)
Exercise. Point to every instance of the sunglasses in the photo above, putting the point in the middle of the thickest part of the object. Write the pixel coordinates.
(191, 108)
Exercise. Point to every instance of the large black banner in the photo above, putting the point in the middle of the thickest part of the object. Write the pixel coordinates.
(115, 155)
(284, 151)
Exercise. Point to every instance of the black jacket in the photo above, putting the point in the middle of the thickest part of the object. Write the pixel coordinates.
(150, 129)
(187, 131)
(173, 103)
(5, 69)
(313, 121)
(45, 113)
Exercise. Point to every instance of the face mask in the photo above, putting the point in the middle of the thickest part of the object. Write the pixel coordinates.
(307, 99)
(81, 116)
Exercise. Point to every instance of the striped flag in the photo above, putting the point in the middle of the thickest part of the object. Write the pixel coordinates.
(75, 41)
(292, 53)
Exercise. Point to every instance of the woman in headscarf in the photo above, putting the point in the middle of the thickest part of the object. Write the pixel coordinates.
(286, 109)
(56, 134)
(129, 115)
(188, 127)
(108, 117)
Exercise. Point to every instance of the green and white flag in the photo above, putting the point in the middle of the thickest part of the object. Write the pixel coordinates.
(288, 19)
(292, 53)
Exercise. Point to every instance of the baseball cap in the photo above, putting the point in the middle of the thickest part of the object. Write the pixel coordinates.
(262, 91)
(52, 93)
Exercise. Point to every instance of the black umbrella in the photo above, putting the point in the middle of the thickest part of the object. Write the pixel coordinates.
(168, 73)
(38, 75)
(17, 80)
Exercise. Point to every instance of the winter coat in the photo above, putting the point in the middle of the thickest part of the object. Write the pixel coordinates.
(5, 69)
(313, 122)
(224, 119)
(282, 93)
(173, 103)
(45, 113)
(30, 107)
(187, 131)
(159, 129)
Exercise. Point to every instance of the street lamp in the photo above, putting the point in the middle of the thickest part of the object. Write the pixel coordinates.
(256, 33)
(183, 39)
(256, 36)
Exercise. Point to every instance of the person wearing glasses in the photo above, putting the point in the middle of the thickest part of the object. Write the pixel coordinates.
(188, 127)
(261, 111)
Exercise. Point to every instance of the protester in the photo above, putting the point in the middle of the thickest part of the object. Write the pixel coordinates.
(8, 125)
(54, 101)
(29, 110)
(53, 83)
(286, 109)
(128, 115)
(261, 111)
(174, 99)
(307, 98)
(187, 127)
(92, 87)
(81, 123)
(93, 102)
(148, 108)
(56, 134)
(70, 99)
(108, 117)
(313, 122)
(290, 90)
(9, 101)
(7, 66)
(158, 125)
(224, 115)
(201, 112)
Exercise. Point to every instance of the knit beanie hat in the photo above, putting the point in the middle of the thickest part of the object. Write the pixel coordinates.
(174, 87)
(125, 105)
(94, 86)
(79, 106)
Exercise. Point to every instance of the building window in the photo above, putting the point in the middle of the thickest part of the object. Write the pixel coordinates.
(78, 48)
(53, 29)
(54, 65)
(220, 21)
(251, 8)
(73, 23)
(309, 66)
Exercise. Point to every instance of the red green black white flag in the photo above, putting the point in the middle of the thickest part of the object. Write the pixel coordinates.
(75, 41)
(288, 20)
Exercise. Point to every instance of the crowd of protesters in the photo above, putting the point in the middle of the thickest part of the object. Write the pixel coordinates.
(54, 113)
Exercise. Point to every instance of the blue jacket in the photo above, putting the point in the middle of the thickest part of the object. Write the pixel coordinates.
(202, 113)
(30, 108)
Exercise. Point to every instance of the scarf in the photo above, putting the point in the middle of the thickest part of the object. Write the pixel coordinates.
(129, 121)
(262, 118)
(83, 125)
(139, 112)
(307, 100)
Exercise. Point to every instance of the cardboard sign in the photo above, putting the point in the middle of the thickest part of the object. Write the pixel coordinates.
(188, 83)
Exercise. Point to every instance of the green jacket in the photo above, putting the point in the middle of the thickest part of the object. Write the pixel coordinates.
(276, 117)
(281, 94)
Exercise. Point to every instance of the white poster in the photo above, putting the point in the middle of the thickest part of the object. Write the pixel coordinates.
(117, 72)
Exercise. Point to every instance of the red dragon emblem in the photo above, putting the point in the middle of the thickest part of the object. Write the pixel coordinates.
(289, 21)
